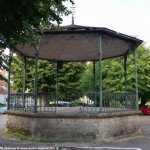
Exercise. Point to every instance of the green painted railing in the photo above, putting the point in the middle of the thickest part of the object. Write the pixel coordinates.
(77, 102)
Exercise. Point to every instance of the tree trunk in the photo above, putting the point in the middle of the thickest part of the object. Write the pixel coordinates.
(45, 100)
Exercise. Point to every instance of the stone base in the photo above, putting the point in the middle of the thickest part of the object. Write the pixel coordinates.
(74, 127)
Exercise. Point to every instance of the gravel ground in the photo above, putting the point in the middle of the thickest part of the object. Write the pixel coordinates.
(136, 143)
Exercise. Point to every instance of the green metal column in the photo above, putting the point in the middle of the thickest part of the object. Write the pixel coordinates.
(24, 80)
(36, 80)
(94, 83)
(100, 66)
(125, 72)
(9, 71)
(136, 77)
(57, 83)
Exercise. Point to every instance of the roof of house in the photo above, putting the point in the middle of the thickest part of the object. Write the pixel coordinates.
(2, 90)
(3, 83)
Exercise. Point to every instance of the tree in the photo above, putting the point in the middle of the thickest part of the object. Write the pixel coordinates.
(4, 64)
(68, 77)
(21, 22)
(113, 74)
(144, 72)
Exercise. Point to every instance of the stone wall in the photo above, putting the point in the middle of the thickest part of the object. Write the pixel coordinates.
(75, 127)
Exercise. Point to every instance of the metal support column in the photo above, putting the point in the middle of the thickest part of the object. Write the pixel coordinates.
(9, 72)
(36, 80)
(24, 80)
(94, 83)
(100, 66)
(136, 77)
(125, 72)
(57, 83)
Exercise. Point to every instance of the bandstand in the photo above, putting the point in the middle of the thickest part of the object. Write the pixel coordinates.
(101, 121)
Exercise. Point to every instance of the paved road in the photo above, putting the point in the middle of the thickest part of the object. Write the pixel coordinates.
(137, 143)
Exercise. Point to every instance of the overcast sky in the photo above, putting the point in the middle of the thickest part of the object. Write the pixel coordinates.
(131, 17)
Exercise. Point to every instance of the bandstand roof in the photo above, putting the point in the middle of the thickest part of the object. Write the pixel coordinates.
(80, 43)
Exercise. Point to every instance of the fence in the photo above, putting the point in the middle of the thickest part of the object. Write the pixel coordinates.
(74, 103)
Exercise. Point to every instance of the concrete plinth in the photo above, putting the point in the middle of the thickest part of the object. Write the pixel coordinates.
(74, 127)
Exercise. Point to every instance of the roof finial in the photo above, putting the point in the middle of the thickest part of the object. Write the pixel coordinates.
(73, 11)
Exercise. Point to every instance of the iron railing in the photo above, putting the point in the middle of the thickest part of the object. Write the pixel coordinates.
(74, 103)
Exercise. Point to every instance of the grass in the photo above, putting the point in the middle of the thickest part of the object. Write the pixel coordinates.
(2, 105)
(42, 140)
(17, 137)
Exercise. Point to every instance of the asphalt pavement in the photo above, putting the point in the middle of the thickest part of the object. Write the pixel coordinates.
(137, 143)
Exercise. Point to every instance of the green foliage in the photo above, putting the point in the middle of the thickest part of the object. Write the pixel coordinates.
(3, 64)
(46, 74)
(113, 74)
(2, 105)
(68, 76)
(42, 140)
(21, 21)
(114, 103)
(144, 72)
(11, 135)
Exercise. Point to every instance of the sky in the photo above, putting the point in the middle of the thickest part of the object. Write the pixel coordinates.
(131, 17)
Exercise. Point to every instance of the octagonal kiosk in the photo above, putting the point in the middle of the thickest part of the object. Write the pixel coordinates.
(75, 43)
